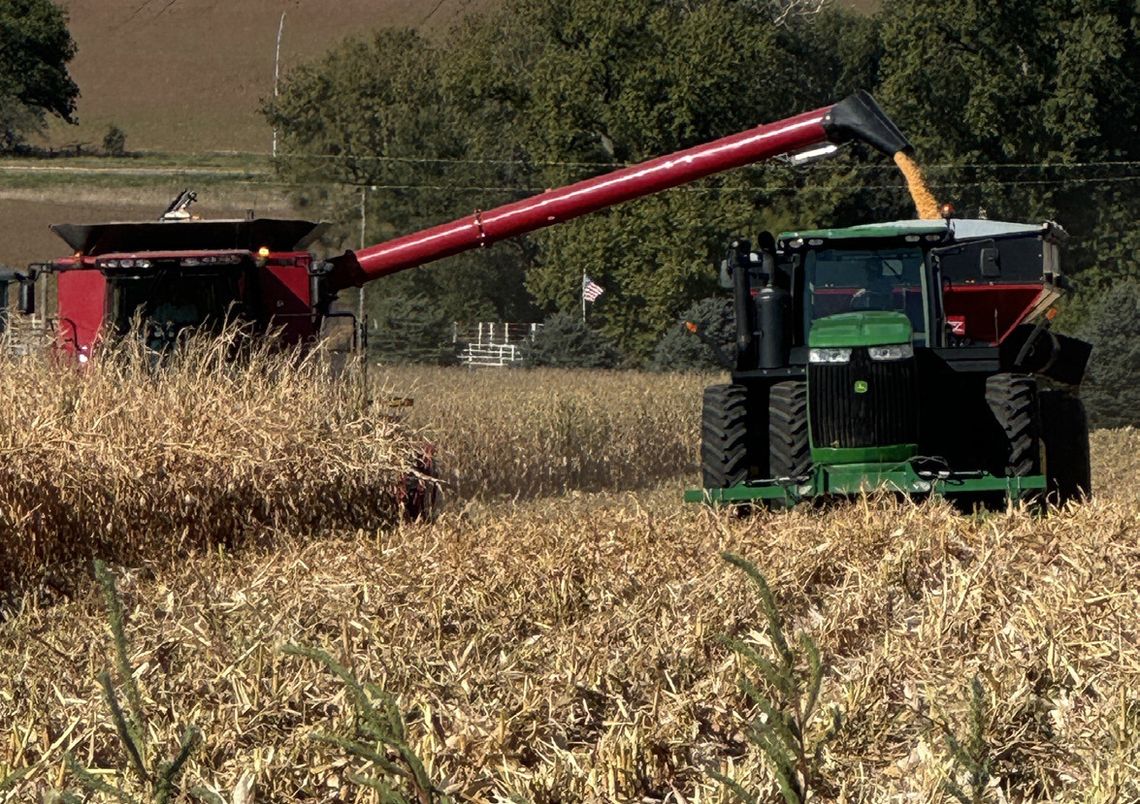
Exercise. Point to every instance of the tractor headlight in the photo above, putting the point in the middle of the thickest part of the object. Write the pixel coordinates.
(899, 351)
(829, 356)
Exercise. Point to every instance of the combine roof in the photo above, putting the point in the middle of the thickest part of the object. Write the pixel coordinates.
(954, 229)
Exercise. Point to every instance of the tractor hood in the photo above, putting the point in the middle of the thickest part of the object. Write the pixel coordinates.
(866, 328)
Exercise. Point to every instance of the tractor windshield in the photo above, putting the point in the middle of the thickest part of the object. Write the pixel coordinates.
(170, 302)
(843, 280)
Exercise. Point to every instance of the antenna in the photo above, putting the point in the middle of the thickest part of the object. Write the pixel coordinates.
(179, 209)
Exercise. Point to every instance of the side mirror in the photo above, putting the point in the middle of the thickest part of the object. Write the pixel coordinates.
(27, 303)
(989, 263)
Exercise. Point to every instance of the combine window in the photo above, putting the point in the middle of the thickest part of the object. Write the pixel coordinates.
(850, 280)
(169, 302)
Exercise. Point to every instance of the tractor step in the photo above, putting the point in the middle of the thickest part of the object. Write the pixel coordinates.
(847, 480)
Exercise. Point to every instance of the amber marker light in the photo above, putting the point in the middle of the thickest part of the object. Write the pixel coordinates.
(947, 211)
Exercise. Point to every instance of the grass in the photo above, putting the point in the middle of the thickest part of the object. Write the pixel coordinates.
(571, 647)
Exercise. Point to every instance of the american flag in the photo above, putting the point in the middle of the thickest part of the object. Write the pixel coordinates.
(591, 290)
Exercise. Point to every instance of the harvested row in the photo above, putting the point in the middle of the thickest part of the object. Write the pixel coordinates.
(130, 462)
(568, 650)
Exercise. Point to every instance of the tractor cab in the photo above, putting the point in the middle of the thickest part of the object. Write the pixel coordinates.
(958, 282)
(181, 274)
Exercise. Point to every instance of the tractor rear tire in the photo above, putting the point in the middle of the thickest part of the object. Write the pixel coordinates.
(1065, 433)
(789, 454)
(1012, 399)
(725, 441)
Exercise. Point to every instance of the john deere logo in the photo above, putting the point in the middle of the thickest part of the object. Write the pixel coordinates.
(860, 386)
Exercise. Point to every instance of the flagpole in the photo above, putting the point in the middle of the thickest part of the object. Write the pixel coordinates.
(583, 296)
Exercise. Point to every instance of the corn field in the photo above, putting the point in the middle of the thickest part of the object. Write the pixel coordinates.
(557, 634)
(521, 434)
(131, 462)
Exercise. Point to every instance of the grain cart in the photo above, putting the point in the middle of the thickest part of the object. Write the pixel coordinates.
(914, 356)
(182, 273)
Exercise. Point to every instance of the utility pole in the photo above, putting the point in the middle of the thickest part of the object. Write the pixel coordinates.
(362, 322)
(277, 73)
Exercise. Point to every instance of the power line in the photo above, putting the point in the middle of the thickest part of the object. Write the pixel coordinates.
(900, 187)
(426, 160)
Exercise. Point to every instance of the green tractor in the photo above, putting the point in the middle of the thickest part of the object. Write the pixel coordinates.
(913, 356)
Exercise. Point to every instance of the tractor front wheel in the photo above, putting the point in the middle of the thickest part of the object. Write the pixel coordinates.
(789, 453)
(725, 453)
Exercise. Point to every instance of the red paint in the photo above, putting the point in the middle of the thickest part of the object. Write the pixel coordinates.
(989, 313)
(285, 297)
(555, 206)
(81, 295)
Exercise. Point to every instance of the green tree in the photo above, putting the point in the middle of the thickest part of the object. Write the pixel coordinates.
(680, 349)
(369, 132)
(35, 48)
(565, 341)
(623, 83)
(411, 329)
(115, 141)
(1112, 388)
(1028, 110)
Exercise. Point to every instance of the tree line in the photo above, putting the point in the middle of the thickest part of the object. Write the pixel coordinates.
(1023, 110)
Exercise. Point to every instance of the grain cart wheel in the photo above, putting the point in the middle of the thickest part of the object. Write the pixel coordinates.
(789, 454)
(725, 453)
(1065, 433)
(1012, 399)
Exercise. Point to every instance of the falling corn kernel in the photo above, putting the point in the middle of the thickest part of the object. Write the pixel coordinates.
(924, 201)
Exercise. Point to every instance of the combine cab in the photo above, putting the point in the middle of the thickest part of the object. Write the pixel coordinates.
(914, 356)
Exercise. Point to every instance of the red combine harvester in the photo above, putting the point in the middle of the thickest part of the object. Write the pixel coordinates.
(180, 273)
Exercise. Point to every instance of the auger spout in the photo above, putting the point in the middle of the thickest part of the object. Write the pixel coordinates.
(855, 118)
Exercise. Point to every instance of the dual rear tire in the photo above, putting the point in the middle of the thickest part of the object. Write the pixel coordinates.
(745, 436)
(727, 450)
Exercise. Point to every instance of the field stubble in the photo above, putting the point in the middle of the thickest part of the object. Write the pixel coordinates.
(566, 649)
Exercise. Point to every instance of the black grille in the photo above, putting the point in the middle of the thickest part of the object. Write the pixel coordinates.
(886, 413)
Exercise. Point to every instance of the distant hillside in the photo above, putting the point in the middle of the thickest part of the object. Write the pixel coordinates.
(188, 75)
